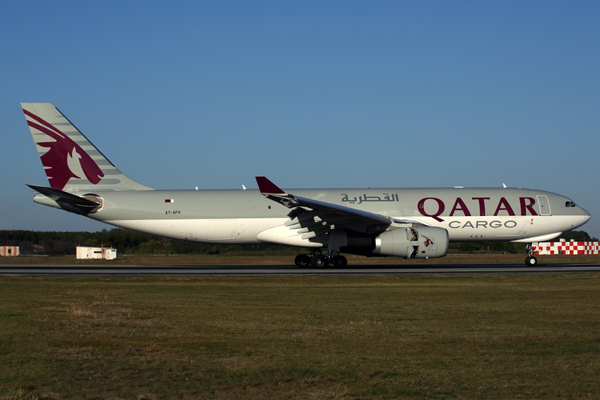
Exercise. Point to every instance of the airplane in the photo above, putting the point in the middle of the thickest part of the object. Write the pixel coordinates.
(403, 222)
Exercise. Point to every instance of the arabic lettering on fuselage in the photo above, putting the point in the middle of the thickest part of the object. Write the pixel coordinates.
(435, 208)
(364, 198)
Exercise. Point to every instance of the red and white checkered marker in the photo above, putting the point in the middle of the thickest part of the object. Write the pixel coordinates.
(568, 248)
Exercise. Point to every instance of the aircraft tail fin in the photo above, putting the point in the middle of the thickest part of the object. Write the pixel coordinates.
(72, 163)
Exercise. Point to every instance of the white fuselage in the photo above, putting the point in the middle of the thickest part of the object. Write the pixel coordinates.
(245, 216)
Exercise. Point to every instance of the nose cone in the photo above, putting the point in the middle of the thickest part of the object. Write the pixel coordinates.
(581, 218)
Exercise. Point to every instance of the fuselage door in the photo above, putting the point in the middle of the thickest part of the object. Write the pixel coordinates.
(222, 229)
(544, 205)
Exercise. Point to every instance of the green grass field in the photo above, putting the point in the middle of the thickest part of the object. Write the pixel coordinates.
(453, 337)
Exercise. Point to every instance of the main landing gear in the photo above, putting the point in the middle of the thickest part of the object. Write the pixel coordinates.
(530, 261)
(318, 260)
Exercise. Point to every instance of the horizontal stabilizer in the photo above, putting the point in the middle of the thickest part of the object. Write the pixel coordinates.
(67, 200)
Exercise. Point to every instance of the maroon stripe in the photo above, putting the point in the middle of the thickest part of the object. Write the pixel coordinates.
(44, 130)
(43, 122)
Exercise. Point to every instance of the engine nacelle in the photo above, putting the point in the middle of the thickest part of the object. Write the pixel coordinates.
(421, 242)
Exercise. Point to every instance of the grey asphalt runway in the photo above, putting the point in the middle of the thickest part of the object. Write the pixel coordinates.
(254, 270)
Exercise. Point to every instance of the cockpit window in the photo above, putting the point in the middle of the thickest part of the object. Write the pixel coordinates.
(570, 204)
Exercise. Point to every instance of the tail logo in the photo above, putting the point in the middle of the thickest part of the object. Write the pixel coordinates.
(64, 159)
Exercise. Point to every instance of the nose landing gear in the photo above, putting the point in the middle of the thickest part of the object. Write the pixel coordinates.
(530, 261)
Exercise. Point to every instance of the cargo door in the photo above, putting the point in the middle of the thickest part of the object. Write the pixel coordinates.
(544, 205)
(222, 229)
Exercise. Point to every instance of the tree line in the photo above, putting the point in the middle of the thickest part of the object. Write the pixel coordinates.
(124, 240)
(132, 242)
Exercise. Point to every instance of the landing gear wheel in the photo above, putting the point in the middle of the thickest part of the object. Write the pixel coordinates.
(320, 261)
(339, 262)
(302, 261)
(531, 261)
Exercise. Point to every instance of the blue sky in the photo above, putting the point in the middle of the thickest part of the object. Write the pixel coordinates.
(311, 94)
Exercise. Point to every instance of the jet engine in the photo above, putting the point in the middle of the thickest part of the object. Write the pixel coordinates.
(421, 242)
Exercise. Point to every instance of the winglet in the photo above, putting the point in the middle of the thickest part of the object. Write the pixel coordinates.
(267, 187)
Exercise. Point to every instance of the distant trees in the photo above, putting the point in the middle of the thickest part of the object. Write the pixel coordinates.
(471, 247)
(127, 241)
(577, 236)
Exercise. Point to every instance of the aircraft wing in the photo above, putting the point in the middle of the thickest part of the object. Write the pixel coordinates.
(318, 217)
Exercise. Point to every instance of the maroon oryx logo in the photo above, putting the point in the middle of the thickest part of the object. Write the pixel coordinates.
(64, 159)
(427, 241)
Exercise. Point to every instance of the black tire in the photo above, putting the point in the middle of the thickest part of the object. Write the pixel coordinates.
(302, 261)
(531, 261)
(320, 261)
(339, 262)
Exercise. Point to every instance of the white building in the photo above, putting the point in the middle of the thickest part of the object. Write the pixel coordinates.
(9, 251)
(97, 253)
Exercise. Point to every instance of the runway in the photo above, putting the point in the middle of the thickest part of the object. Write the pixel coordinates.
(254, 270)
